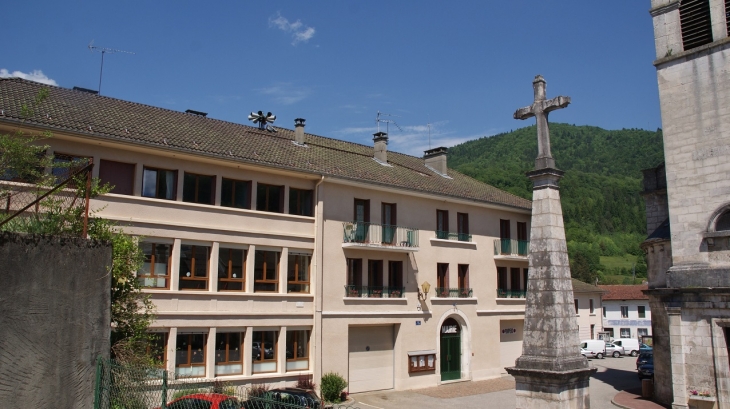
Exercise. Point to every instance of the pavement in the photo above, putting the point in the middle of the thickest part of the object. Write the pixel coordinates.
(615, 384)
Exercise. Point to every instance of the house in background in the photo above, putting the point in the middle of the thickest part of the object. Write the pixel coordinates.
(626, 312)
(588, 309)
(274, 253)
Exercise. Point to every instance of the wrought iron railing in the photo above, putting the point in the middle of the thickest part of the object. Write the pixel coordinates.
(511, 247)
(360, 291)
(379, 234)
(504, 293)
(444, 235)
(443, 292)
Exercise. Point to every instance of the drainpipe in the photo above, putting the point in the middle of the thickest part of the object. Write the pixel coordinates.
(319, 248)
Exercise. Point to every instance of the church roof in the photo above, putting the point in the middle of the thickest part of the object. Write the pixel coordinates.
(112, 119)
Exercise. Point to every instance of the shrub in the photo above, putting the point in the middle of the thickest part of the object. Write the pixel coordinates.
(258, 390)
(305, 382)
(182, 392)
(331, 387)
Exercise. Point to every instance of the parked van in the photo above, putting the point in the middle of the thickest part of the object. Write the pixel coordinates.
(631, 346)
(596, 346)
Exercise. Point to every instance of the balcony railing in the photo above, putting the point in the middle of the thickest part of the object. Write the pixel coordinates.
(444, 235)
(511, 247)
(443, 292)
(503, 293)
(359, 291)
(379, 234)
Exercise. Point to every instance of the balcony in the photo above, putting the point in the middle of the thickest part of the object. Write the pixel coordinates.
(444, 235)
(358, 291)
(504, 293)
(443, 292)
(379, 236)
(511, 249)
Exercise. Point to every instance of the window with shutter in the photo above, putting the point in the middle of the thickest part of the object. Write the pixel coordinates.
(694, 18)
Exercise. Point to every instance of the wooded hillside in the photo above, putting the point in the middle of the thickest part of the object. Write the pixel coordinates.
(602, 208)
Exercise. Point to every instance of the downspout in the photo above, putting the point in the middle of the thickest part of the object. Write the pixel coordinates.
(319, 248)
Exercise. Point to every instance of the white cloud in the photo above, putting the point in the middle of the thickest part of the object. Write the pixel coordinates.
(285, 93)
(35, 75)
(300, 33)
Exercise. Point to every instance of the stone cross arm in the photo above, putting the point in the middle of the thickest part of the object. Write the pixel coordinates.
(543, 106)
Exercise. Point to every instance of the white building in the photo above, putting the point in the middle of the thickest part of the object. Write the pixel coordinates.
(588, 309)
(626, 312)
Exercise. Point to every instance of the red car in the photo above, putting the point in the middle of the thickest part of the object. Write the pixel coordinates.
(205, 401)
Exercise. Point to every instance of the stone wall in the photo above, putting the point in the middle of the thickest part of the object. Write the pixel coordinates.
(54, 319)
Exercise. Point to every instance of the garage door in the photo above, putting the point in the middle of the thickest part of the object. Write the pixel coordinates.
(371, 358)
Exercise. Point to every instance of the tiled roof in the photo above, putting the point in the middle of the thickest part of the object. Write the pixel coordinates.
(581, 287)
(117, 120)
(625, 292)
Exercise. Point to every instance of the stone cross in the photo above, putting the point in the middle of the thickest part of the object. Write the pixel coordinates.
(540, 109)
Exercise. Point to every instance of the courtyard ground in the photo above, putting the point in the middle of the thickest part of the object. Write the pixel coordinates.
(613, 375)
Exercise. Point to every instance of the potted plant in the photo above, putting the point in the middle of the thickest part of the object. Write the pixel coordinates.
(395, 294)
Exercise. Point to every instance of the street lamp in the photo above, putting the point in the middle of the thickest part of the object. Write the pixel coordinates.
(425, 286)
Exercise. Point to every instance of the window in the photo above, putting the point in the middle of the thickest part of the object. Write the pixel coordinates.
(159, 183)
(64, 165)
(298, 274)
(642, 311)
(694, 19)
(464, 290)
(524, 278)
(389, 222)
(155, 270)
(462, 226)
(442, 276)
(604, 312)
(625, 333)
(514, 278)
(118, 174)
(624, 311)
(194, 262)
(269, 198)
(593, 331)
(198, 188)
(354, 271)
(231, 269)
(300, 202)
(502, 278)
(266, 271)
(723, 222)
(157, 348)
(362, 220)
(263, 354)
(642, 332)
(375, 273)
(521, 231)
(442, 224)
(297, 350)
(228, 357)
(576, 305)
(236, 193)
(590, 306)
(504, 231)
(190, 355)
(395, 278)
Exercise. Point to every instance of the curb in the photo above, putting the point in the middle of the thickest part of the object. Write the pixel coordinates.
(619, 405)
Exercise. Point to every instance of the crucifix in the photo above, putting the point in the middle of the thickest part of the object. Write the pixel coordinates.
(540, 109)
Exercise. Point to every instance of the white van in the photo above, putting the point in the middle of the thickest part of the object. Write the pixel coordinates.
(596, 346)
(631, 346)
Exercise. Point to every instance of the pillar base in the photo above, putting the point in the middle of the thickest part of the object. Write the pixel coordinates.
(539, 389)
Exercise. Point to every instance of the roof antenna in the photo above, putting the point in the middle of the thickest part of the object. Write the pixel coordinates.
(429, 135)
(103, 51)
(378, 120)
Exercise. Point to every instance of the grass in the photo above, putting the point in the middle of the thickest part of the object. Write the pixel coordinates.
(626, 261)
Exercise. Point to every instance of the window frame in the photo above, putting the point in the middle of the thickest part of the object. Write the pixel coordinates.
(296, 198)
(624, 308)
(297, 273)
(157, 182)
(621, 332)
(442, 224)
(193, 277)
(462, 226)
(165, 336)
(196, 195)
(235, 185)
(354, 272)
(295, 357)
(228, 267)
(227, 350)
(591, 307)
(395, 279)
(105, 178)
(463, 277)
(266, 204)
(152, 263)
(264, 267)
(641, 310)
(262, 352)
(189, 363)
(442, 275)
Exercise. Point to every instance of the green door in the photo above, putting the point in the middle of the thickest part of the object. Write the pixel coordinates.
(450, 350)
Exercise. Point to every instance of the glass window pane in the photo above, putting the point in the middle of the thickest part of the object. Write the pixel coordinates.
(261, 197)
(241, 198)
(274, 197)
(146, 268)
(202, 256)
(162, 259)
(205, 190)
(189, 182)
(181, 350)
(258, 271)
(197, 344)
(227, 192)
(169, 185)
(149, 183)
(234, 347)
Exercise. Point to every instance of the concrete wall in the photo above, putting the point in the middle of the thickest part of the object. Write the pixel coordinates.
(54, 319)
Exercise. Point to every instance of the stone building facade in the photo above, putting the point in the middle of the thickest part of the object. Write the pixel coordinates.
(275, 253)
(690, 300)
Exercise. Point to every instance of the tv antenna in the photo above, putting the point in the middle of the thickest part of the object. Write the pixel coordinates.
(103, 51)
(429, 135)
(378, 120)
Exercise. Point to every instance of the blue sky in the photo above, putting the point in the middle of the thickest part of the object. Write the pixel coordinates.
(463, 66)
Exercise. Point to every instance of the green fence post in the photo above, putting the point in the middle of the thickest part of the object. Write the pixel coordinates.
(97, 386)
(164, 390)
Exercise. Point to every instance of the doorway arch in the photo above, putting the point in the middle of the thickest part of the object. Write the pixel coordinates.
(463, 345)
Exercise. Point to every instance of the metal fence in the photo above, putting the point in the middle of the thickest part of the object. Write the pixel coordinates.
(126, 386)
(58, 201)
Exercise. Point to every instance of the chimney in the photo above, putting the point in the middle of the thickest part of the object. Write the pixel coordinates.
(381, 146)
(436, 159)
(299, 131)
